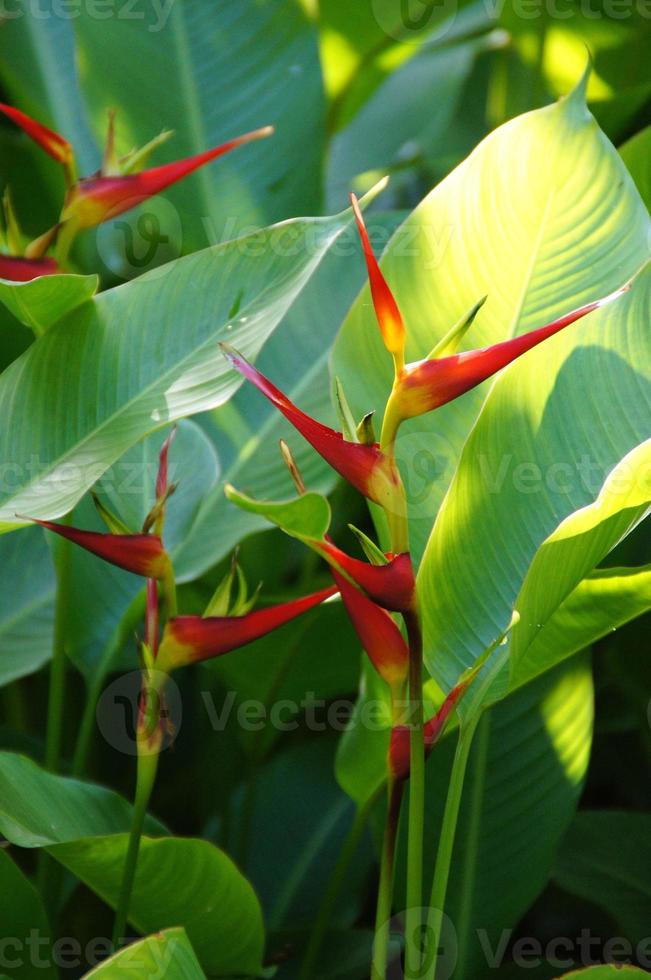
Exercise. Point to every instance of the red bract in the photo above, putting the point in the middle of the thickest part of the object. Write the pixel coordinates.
(432, 730)
(189, 639)
(142, 554)
(53, 143)
(392, 585)
(430, 384)
(378, 633)
(365, 467)
(18, 269)
(388, 315)
(93, 200)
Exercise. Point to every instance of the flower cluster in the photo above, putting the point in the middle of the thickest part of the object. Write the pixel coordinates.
(119, 185)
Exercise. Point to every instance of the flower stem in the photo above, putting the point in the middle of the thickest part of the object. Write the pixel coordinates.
(446, 845)
(413, 914)
(385, 888)
(333, 889)
(147, 766)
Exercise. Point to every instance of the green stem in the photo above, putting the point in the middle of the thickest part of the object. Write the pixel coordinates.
(147, 766)
(385, 888)
(56, 695)
(413, 914)
(333, 889)
(446, 845)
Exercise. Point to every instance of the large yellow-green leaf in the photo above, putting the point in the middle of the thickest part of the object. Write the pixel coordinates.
(538, 239)
(579, 543)
(141, 355)
(553, 428)
(167, 952)
(179, 882)
(605, 600)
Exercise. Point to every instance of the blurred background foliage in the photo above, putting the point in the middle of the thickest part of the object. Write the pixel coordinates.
(355, 90)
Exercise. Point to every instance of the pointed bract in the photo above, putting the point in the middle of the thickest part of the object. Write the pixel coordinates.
(392, 585)
(378, 634)
(189, 639)
(53, 143)
(96, 199)
(17, 269)
(429, 384)
(388, 315)
(365, 467)
(142, 554)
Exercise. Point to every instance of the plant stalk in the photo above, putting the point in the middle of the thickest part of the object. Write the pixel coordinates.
(56, 694)
(413, 912)
(385, 887)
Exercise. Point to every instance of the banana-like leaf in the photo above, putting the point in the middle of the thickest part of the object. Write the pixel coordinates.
(141, 355)
(542, 449)
(635, 154)
(605, 600)
(179, 882)
(21, 915)
(236, 67)
(538, 241)
(39, 809)
(40, 303)
(602, 860)
(607, 971)
(26, 604)
(168, 953)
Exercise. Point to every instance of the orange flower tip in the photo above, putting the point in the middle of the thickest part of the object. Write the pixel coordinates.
(162, 475)
(387, 312)
(53, 143)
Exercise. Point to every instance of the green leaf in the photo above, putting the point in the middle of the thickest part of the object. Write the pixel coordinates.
(26, 604)
(235, 68)
(525, 775)
(635, 154)
(368, 147)
(600, 604)
(537, 249)
(169, 951)
(41, 303)
(306, 518)
(21, 914)
(38, 809)
(247, 429)
(153, 345)
(579, 543)
(179, 881)
(603, 860)
(607, 972)
(361, 762)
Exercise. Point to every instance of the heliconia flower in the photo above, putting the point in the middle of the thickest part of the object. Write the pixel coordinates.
(399, 748)
(388, 315)
(378, 634)
(365, 467)
(190, 639)
(428, 384)
(142, 554)
(18, 269)
(53, 143)
(93, 200)
(392, 585)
